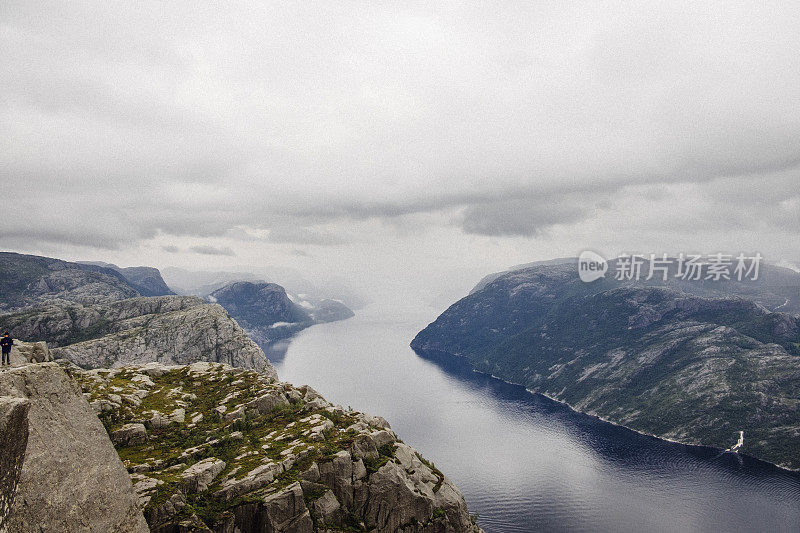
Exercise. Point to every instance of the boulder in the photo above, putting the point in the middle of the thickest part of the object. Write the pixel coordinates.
(178, 415)
(266, 403)
(394, 498)
(72, 478)
(158, 420)
(259, 477)
(197, 477)
(130, 434)
(377, 422)
(32, 352)
(327, 507)
(166, 511)
(338, 475)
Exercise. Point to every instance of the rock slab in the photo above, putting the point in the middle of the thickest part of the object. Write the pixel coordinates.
(13, 441)
(72, 478)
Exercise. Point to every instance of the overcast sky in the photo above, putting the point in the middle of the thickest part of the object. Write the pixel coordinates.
(398, 145)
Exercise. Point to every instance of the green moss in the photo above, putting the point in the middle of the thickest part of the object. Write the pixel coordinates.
(438, 473)
(373, 464)
(314, 494)
(161, 494)
(212, 435)
(388, 449)
(212, 511)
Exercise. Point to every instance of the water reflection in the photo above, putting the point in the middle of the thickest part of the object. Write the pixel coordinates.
(524, 462)
(275, 351)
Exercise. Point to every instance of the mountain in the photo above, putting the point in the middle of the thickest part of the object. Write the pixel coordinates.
(27, 280)
(693, 362)
(491, 277)
(146, 280)
(175, 329)
(776, 288)
(259, 304)
(207, 446)
(268, 313)
(330, 311)
(202, 283)
(216, 448)
(92, 314)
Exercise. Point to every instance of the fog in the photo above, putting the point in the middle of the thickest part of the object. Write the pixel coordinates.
(400, 150)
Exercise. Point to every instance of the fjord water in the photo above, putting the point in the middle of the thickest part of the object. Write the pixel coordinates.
(526, 463)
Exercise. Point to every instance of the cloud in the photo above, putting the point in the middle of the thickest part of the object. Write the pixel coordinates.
(300, 235)
(212, 250)
(171, 249)
(526, 217)
(508, 119)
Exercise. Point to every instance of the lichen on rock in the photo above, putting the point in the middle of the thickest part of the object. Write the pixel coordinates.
(256, 454)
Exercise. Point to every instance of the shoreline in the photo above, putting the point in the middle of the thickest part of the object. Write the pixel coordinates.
(606, 420)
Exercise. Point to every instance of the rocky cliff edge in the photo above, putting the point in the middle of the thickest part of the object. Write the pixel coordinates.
(71, 478)
(216, 448)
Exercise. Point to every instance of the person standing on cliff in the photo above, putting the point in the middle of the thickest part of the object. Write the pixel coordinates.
(6, 342)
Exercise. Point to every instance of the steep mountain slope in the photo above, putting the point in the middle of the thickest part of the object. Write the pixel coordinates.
(146, 280)
(175, 329)
(267, 313)
(259, 304)
(657, 359)
(210, 447)
(214, 448)
(491, 277)
(27, 280)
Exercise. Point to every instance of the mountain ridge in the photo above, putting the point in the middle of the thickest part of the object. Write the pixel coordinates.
(28, 280)
(268, 313)
(147, 280)
(686, 367)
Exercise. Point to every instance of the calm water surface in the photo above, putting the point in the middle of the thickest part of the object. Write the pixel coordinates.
(526, 463)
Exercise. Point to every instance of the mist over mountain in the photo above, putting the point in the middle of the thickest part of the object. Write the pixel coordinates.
(162, 414)
(269, 314)
(202, 282)
(300, 187)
